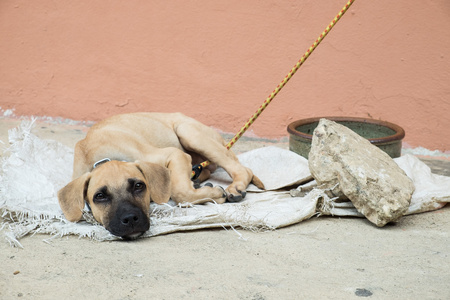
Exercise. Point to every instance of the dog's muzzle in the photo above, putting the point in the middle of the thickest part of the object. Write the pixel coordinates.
(128, 222)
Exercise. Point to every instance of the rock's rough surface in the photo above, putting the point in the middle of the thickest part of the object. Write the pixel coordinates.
(377, 187)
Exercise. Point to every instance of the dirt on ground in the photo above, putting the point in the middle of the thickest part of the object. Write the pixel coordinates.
(322, 258)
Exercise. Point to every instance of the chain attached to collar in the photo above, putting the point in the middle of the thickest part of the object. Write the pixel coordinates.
(101, 161)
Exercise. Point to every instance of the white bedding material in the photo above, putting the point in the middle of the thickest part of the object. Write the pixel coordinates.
(33, 170)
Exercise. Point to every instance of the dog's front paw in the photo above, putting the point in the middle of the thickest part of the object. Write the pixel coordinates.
(219, 195)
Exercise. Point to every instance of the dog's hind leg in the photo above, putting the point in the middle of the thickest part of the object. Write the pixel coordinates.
(201, 139)
(182, 188)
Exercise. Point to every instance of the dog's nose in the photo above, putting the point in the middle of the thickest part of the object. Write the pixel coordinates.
(129, 219)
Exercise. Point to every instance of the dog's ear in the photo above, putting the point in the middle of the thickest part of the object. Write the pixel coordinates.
(71, 197)
(158, 179)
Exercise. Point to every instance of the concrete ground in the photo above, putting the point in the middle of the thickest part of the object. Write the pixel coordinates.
(322, 258)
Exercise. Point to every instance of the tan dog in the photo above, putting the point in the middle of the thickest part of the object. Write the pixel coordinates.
(151, 157)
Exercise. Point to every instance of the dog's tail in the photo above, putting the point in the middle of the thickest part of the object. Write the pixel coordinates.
(259, 184)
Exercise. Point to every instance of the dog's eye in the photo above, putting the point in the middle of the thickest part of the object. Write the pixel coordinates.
(139, 186)
(100, 197)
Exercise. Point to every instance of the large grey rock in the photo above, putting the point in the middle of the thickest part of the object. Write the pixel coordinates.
(375, 184)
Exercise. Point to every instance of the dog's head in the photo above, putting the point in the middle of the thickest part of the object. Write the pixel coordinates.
(119, 194)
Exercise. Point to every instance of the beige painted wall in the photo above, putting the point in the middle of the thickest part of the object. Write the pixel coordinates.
(218, 60)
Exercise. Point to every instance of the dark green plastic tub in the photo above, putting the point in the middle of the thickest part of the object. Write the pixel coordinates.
(386, 136)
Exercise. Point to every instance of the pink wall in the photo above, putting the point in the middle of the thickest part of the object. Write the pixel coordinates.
(218, 60)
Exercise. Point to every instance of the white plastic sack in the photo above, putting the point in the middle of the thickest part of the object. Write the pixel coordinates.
(33, 170)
